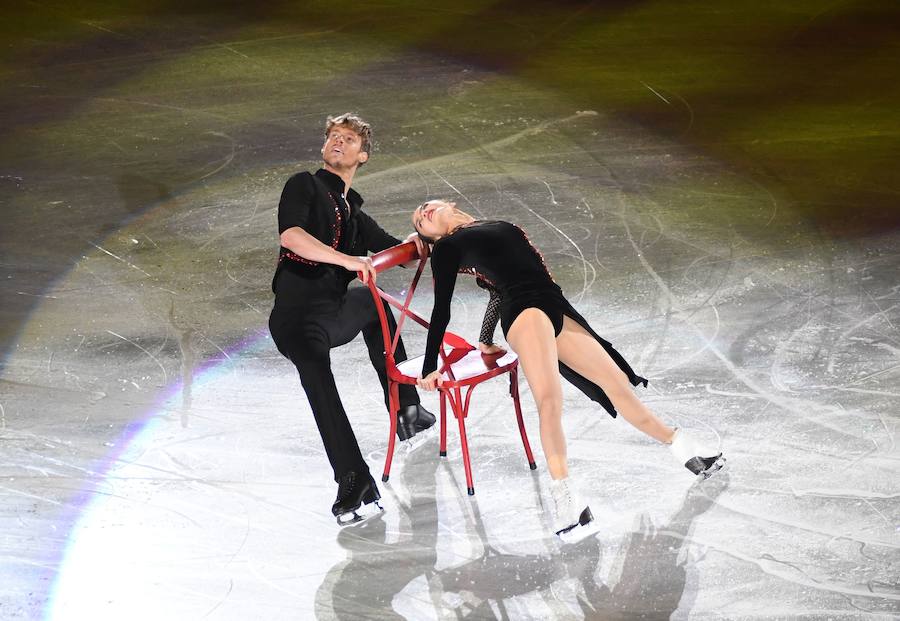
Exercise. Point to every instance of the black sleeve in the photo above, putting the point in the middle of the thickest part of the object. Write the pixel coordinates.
(444, 266)
(296, 202)
(491, 314)
(375, 238)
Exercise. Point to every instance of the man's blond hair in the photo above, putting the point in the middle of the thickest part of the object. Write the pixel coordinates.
(348, 119)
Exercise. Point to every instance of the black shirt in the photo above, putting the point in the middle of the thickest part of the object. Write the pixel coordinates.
(503, 260)
(317, 204)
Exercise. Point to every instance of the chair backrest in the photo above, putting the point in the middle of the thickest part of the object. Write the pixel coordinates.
(396, 255)
(390, 258)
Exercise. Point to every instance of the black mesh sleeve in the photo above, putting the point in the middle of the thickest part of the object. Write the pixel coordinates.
(491, 314)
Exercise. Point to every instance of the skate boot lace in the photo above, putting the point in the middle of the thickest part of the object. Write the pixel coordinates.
(346, 485)
(562, 498)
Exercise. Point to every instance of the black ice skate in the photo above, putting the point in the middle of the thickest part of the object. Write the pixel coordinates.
(700, 460)
(357, 499)
(412, 419)
(571, 517)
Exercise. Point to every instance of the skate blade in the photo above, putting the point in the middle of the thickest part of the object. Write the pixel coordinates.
(579, 532)
(717, 465)
(417, 441)
(365, 512)
(584, 527)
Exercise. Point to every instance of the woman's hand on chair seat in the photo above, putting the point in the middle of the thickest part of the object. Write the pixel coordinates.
(430, 381)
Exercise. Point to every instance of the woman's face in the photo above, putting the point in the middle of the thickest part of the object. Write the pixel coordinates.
(433, 218)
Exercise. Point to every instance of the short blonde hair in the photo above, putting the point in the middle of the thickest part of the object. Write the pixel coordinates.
(348, 119)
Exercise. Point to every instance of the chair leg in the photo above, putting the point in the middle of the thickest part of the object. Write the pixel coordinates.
(443, 449)
(514, 393)
(461, 411)
(394, 400)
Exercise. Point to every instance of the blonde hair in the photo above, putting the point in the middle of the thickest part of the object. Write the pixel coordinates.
(422, 236)
(348, 119)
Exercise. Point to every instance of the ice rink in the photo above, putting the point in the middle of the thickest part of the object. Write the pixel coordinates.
(714, 190)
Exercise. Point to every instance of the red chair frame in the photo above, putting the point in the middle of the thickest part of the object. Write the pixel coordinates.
(463, 367)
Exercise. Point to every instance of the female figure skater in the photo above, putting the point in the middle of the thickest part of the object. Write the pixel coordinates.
(547, 334)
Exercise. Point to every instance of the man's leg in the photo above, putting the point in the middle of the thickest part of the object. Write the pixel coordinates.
(304, 341)
(307, 345)
(358, 314)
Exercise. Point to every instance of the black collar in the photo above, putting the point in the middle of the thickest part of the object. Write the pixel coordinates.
(336, 184)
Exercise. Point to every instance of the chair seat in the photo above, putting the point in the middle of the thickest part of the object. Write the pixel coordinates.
(468, 366)
(471, 366)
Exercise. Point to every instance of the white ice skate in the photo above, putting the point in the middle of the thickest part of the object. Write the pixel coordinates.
(571, 516)
(699, 459)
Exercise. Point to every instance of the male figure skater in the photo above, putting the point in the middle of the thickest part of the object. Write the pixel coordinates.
(325, 238)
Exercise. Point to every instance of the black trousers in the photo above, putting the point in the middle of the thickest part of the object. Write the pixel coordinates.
(306, 334)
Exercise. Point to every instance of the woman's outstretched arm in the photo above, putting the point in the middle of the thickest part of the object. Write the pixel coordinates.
(444, 267)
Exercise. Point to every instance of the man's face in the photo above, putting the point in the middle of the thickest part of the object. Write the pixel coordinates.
(343, 149)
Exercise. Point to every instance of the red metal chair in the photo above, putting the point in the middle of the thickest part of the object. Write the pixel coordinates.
(462, 367)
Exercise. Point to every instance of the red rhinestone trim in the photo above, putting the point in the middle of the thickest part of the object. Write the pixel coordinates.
(287, 254)
(536, 251)
(335, 236)
(473, 272)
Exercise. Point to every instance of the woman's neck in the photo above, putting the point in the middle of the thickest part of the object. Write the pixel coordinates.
(460, 219)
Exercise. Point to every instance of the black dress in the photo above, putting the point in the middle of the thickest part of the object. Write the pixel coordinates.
(505, 262)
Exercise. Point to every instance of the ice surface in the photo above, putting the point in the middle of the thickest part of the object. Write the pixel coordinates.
(159, 459)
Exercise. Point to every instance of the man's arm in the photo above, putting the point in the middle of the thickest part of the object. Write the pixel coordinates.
(302, 243)
(375, 238)
(293, 214)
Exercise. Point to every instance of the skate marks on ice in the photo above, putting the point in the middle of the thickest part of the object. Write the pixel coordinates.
(781, 350)
(405, 571)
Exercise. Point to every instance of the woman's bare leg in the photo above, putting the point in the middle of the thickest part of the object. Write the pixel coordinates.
(532, 338)
(583, 354)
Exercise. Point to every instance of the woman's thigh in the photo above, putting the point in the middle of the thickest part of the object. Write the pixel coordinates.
(582, 353)
(532, 337)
